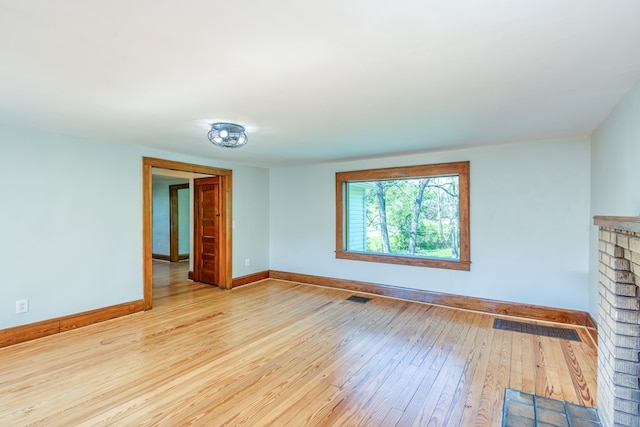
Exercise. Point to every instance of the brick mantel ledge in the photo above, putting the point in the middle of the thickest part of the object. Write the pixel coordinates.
(626, 223)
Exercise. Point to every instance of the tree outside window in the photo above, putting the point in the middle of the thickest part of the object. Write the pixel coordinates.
(417, 215)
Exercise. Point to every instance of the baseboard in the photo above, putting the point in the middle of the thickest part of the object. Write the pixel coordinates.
(592, 328)
(591, 323)
(249, 278)
(536, 312)
(161, 257)
(99, 315)
(28, 332)
(32, 331)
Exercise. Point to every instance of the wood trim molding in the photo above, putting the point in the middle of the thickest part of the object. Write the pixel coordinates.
(28, 332)
(250, 278)
(74, 321)
(592, 328)
(185, 167)
(32, 331)
(147, 233)
(461, 169)
(226, 196)
(528, 311)
(394, 259)
(162, 257)
(590, 322)
(226, 187)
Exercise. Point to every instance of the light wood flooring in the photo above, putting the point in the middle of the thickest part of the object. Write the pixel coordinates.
(165, 272)
(285, 354)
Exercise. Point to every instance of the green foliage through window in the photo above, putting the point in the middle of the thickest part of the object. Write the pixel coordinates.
(410, 217)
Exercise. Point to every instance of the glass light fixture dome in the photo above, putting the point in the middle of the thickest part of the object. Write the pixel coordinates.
(227, 135)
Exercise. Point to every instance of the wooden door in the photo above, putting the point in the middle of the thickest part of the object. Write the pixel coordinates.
(206, 239)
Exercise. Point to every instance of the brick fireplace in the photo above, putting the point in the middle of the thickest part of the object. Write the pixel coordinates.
(619, 320)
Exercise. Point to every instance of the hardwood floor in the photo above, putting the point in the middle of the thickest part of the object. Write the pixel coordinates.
(166, 273)
(281, 353)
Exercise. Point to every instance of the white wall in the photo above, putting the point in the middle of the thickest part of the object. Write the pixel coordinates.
(72, 239)
(615, 173)
(251, 220)
(529, 224)
(162, 217)
(184, 221)
(161, 225)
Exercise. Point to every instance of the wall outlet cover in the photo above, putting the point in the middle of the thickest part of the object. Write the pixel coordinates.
(22, 306)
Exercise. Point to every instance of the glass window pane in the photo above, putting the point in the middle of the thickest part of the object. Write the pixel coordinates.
(415, 217)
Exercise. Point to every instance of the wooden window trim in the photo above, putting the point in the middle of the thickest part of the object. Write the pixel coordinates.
(456, 168)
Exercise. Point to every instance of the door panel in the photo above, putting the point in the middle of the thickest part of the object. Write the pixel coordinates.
(207, 230)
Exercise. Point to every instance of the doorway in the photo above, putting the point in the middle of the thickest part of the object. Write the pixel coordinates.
(179, 219)
(223, 260)
(171, 215)
(172, 227)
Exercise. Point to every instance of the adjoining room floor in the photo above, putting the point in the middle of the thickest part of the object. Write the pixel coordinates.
(282, 353)
(166, 273)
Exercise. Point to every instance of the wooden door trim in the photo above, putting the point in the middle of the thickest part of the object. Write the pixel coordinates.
(174, 242)
(226, 180)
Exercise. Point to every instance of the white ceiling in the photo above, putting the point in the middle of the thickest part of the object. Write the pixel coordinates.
(316, 80)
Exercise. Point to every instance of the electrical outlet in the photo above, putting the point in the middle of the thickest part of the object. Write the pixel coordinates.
(22, 306)
(247, 262)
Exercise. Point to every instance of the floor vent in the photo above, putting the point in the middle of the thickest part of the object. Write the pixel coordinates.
(361, 300)
(530, 328)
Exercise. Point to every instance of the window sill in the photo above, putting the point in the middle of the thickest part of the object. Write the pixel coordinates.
(406, 260)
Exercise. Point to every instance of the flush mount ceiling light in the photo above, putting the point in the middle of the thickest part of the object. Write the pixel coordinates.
(228, 135)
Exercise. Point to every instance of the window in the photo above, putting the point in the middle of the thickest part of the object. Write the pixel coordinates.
(415, 215)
